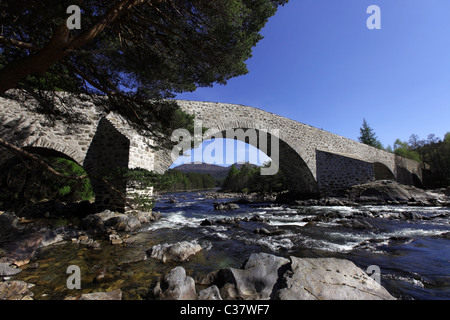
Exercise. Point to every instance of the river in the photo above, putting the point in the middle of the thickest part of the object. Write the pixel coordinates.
(410, 245)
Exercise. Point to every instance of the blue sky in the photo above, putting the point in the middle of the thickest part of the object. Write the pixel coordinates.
(319, 64)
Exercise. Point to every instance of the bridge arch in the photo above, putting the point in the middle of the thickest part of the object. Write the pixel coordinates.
(305, 151)
(382, 172)
(12, 166)
(300, 180)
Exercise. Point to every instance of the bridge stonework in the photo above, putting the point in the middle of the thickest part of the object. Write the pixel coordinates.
(314, 161)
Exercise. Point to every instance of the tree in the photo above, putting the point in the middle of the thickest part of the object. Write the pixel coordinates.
(405, 150)
(249, 179)
(368, 136)
(128, 57)
(135, 52)
(230, 182)
(433, 153)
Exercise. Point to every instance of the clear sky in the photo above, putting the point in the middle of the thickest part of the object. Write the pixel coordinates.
(319, 64)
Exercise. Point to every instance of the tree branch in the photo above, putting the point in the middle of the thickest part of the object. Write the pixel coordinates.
(61, 46)
(19, 44)
(25, 154)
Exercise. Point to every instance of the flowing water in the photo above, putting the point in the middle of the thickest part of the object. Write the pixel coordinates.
(410, 245)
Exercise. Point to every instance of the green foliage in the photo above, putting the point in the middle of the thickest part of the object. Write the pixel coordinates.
(433, 152)
(404, 150)
(150, 53)
(249, 179)
(143, 203)
(71, 190)
(21, 185)
(368, 136)
(64, 191)
(174, 180)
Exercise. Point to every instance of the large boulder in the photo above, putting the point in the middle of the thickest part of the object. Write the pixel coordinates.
(93, 225)
(119, 221)
(176, 286)
(179, 251)
(22, 249)
(265, 276)
(258, 280)
(387, 191)
(329, 279)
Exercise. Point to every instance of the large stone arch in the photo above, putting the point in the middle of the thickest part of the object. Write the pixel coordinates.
(299, 177)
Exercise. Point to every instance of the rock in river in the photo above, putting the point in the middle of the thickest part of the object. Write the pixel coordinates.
(225, 206)
(176, 286)
(266, 276)
(329, 279)
(179, 251)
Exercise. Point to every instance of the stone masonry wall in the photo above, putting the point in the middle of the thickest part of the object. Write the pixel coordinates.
(336, 172)
(96, 141)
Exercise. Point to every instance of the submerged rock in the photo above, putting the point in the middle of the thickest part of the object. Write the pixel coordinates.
(7, 270)
(226, 206)
(110, 295)
(16, 290)
(21, 250)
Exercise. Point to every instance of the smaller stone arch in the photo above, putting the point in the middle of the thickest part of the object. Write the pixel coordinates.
(10, 167)
(382, 172)
(416, 181)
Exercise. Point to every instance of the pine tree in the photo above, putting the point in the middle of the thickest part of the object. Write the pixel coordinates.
(129, 55)
(368, 136)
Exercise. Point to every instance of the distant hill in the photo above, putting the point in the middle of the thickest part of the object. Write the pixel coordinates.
(217, 172)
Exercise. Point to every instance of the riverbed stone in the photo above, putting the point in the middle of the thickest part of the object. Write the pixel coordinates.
(258, 280)
(93, 225)
(110, 295)
(21, 250)
(15, 290)
(226, 206)
(179, 251)
(7, 270)
(210, 293)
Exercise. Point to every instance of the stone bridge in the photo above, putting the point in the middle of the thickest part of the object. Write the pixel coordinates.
(315, 162)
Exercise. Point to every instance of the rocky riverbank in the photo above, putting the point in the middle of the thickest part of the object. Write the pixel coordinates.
(22, 236)
(381, 192)
(90, 236)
